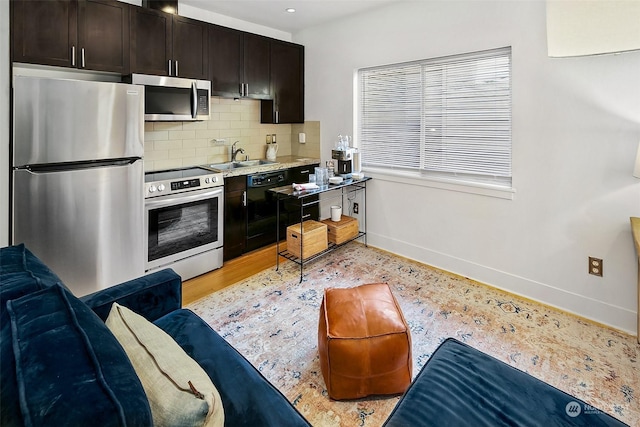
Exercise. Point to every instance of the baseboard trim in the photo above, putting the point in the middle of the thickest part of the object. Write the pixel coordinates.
(593, 310)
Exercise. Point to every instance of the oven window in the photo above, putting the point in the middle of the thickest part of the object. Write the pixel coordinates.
(176, 229)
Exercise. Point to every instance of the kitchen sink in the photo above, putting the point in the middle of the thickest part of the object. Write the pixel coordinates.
(224, 166)
(234, 165)
(256, 163)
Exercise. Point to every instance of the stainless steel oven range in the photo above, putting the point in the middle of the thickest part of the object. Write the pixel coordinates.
(184, 212)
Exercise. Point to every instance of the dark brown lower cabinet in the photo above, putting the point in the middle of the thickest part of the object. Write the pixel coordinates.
(235, 216)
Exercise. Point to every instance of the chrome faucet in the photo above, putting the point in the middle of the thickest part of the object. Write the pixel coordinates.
(235, 152)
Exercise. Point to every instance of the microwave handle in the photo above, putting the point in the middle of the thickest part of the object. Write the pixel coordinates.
(194, 100)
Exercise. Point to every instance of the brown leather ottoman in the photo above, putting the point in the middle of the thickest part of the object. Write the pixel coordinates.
(364, 342)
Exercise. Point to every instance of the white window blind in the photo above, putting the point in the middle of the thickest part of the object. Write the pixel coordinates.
(445, 117)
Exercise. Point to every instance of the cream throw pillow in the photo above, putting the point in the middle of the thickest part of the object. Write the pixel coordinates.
(166, 373)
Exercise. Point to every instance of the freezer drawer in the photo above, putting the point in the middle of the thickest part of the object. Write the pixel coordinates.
(85, 224)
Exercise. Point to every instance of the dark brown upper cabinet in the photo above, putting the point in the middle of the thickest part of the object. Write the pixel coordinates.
(191, 48)
(168, 45)
(238, 63)
(87, 34)
(257, 67)
(287, 85)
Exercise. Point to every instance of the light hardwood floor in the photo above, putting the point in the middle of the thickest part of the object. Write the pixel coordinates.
(231, 272)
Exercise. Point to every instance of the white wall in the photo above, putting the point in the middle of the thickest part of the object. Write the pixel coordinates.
(4, 122)
(576, 127)
(227, 21)
(189, 11)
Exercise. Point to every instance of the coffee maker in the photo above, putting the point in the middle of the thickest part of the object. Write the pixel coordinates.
(344, 158)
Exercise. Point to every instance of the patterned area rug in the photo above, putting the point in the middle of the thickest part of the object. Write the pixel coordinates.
(272, 319)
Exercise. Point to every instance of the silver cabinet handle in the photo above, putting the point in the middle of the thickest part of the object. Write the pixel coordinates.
(277, 116)
(244, 198)
(246, 89)
(73, 56)
(176, 67)
(169, 70)
(82, 65)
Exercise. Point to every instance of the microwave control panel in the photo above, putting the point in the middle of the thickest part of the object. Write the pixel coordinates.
(203, 102)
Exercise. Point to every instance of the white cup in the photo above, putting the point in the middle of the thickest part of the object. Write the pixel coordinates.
(336, 213)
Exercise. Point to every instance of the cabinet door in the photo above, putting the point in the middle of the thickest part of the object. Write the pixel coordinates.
(287, 82)
(190, 48)
(235, 217)
(300, 174)
(150, 41)
(225, 61)
(103, 36)
(44, 32)
(256, 65)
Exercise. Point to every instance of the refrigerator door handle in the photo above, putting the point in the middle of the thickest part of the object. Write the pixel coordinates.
(70, 166)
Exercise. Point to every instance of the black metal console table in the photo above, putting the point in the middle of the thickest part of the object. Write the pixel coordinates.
(305, 199)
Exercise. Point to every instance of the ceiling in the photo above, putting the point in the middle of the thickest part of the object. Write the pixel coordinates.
(273, 14)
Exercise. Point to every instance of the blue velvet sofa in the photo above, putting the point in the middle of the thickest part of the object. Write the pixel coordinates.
(61, 366)
(462, 386)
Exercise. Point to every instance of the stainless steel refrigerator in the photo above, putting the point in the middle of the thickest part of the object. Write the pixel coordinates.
(78, 178)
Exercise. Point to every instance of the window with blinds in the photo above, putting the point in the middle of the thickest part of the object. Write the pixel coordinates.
(446, 117)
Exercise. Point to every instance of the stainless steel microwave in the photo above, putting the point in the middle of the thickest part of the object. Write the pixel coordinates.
(173, 98)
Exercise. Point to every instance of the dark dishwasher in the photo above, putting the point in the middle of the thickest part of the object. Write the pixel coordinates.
(262, 208)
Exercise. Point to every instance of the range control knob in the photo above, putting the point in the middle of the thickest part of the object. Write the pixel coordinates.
(207, 180)
(161, 187)
(152, 189)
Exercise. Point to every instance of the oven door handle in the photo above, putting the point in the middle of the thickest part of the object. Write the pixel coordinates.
(155, 204)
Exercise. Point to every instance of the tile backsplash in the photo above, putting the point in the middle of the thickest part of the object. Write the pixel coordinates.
(170, 145)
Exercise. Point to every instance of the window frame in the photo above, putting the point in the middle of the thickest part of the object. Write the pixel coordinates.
(477, 183)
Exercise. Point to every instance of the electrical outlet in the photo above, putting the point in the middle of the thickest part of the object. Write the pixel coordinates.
(595, 266)
(355, 208)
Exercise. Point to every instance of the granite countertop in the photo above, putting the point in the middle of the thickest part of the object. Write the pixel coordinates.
(283, 162)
